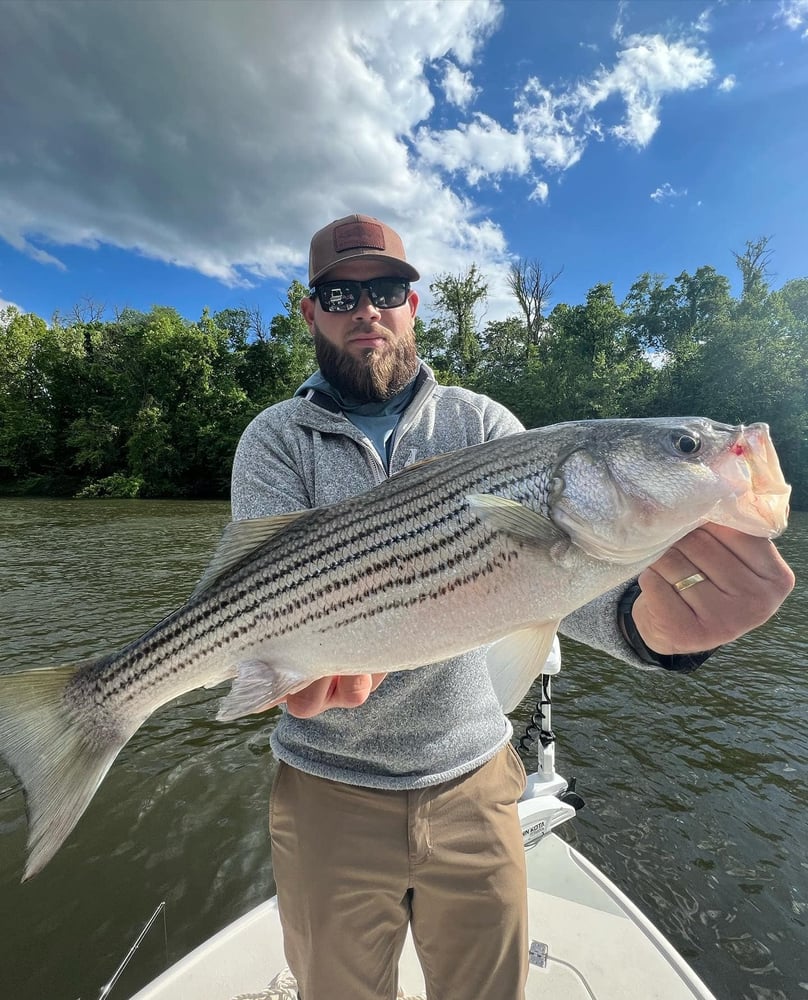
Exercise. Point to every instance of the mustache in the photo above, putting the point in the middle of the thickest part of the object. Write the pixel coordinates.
(376, 329)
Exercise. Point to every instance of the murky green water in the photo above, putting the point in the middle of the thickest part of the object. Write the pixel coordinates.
(695, 787)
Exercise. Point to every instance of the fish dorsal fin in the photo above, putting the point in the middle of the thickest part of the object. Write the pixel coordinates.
(512, 517)
(238, 540)
(517, 660)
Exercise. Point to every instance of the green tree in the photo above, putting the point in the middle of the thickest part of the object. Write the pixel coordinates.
(26, 440)
(592, 363)
(274, 360)
(457, 299)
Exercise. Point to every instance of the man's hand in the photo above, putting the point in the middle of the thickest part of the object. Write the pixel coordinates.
(745, 582)
(343, 691)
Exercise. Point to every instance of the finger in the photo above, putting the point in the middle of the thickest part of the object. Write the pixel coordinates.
(729, 551)
(347, 691)
(377, 679)
(311, 700)
(351, 690)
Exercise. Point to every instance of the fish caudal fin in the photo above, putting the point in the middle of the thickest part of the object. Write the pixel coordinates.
(59, 764)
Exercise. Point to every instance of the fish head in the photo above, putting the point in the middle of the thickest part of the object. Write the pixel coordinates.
(628, 489)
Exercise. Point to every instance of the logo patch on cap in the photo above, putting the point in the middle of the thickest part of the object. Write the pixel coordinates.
(353, 235)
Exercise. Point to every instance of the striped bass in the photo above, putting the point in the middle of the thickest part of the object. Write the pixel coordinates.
(492, 544)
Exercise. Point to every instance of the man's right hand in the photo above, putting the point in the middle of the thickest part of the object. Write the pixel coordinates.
(342, 691)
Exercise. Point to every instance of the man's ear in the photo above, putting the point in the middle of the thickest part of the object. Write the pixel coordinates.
(412, 301)
(307, 309)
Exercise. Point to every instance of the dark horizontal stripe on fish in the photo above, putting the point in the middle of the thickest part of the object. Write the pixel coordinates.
(424, 575)
(494, 564)
(190, 633)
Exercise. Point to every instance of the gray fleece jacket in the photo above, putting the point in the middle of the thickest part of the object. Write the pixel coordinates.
(423, 726)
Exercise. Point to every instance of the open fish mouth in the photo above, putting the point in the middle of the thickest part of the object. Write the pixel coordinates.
(761, 495)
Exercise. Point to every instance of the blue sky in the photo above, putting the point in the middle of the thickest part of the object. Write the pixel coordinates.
(182, 153)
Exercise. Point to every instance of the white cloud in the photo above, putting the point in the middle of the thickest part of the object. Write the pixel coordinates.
(217, 136)
(458, 87)
(619, 24)
(728, 83)
(5, 304)
(208, 135)
(794, 14)
(702, 22)
(480, 148)
(648, 68)
(666, 191)
(551, 127)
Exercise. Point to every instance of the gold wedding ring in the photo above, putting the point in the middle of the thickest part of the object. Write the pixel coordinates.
(689, 581)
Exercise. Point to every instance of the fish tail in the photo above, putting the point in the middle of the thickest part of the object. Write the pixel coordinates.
(59, 764)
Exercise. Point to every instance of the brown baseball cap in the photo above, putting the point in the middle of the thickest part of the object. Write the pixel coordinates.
(353, 237)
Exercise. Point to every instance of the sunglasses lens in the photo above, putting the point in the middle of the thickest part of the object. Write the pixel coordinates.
(339, 296)
(388, 293)
(344, 296)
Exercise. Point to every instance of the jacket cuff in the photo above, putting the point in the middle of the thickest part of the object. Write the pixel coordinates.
(682, 663)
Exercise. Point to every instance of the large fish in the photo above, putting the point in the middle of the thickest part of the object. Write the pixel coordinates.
(490, 544)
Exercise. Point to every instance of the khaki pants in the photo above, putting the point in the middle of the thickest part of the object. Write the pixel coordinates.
(354, 866)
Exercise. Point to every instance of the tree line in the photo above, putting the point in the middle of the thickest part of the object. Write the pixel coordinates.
(152, 404)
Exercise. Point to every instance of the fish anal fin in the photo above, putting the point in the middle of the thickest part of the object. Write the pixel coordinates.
(517, 660)
(239, 539)
(516, 520)
(258, 686)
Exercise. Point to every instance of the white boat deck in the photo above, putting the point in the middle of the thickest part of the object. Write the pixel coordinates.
(599, 946)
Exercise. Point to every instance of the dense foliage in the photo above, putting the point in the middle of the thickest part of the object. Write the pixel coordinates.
(150, 404)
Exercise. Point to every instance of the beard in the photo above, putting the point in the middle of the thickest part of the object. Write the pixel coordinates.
(376, 376)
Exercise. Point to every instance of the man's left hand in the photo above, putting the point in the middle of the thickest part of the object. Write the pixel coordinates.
(745, 582)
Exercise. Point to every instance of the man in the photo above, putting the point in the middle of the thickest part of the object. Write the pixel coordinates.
(394, 797)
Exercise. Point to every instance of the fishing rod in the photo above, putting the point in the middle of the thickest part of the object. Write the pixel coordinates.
(106, 990)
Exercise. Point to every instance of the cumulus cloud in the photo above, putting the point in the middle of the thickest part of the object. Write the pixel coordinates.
(666, 191)
(728, 83)
(206, 135)
(648, 68)
(551, 126)
(217, 136)
(458, 87)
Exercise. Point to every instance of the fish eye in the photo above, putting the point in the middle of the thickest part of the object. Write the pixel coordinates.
(686, 443)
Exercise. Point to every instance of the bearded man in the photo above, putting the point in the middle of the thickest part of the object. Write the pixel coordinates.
(394, 798)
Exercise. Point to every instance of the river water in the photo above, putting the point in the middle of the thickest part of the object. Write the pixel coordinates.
(695, 786)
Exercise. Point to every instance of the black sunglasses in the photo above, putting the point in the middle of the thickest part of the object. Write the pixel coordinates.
(343, 296)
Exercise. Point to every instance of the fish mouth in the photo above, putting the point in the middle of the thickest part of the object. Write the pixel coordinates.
(760, 502)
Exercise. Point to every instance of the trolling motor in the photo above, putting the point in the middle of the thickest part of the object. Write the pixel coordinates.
(548, 800)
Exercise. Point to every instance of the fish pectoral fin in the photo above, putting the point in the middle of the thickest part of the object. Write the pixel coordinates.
(240, 539)
(258, 686)
(517, 660)
(512, 517)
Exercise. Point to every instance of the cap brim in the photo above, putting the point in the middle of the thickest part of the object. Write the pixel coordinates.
(397, 266)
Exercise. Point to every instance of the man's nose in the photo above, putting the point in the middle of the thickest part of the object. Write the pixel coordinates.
(364, 307)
